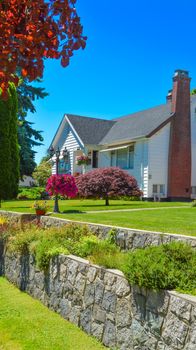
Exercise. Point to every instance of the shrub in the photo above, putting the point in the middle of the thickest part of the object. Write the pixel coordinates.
(19, 239)
(45, 243)
(32, 193)
(3, 220)
(169, 266)
(107, 254)
(47, 249)
(107, 183)
(3, 226)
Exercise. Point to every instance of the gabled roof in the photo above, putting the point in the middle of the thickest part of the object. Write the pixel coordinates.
(90, 130)
(140, 124)
(94, 131)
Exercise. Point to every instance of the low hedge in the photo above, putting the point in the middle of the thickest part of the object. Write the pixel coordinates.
(168, 266)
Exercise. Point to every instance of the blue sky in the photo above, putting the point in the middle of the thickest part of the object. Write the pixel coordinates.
(132, 51)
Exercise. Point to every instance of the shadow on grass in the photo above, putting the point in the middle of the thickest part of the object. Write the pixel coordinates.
(73, 212)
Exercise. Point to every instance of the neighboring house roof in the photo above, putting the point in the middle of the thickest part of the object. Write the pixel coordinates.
(140, 124)
(90, 130)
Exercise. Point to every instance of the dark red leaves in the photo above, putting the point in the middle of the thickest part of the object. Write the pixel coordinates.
(107, 182)
(31, 30)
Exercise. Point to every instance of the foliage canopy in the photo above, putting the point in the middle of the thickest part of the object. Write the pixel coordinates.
(107, 183)
(32, 30)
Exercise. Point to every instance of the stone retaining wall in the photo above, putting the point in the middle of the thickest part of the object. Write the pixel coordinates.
(103, 304)
(127, 239)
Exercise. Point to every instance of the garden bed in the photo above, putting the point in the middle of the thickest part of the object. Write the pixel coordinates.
(103, 302)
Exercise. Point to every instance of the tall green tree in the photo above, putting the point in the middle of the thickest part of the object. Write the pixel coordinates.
(43, 171)
(9, 150)
(28, 137)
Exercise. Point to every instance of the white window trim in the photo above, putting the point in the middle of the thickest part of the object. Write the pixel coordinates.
(115, 150)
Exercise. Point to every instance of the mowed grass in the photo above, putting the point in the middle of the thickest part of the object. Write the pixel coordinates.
(180, 221)
(25, 324)
(173, 220)
(79, 205)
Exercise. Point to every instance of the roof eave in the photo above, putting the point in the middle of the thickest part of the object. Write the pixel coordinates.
(158, 128)
(60, 125)
(121, 142)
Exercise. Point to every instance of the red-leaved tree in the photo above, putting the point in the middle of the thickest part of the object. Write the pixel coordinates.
(107, 183)
(32, 30)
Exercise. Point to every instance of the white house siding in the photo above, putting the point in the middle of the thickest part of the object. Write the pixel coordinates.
(193, 141)
(71, 143)
(158, 159)
(140, 170)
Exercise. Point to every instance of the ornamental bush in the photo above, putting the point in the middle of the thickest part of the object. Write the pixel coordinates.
(107, 183)
(168, 266)
(63, 185)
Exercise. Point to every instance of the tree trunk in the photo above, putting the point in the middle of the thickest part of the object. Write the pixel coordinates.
(106, 200)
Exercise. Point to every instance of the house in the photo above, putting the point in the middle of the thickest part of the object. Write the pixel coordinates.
(157, 146)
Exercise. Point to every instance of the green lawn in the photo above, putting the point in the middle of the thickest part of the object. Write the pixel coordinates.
(181, 220)
(25, 324)
(77, 205)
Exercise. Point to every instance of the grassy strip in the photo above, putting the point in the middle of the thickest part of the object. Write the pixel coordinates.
(26, 324)
(178, 221)
(77, 205)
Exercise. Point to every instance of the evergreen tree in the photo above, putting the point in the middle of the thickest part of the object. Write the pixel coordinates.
(9, 152)
(28, 137)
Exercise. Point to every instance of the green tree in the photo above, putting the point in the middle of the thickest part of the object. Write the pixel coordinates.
(193, 92)
(42, 172)
(9, 150)
(28, 137)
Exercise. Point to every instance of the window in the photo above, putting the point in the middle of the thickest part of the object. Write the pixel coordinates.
(131, 157)
(113, 158)
(95, 159)
(63, 167)
(158, 189)
(155, 188)
(193, 190)
(123, 158)
(162, 189)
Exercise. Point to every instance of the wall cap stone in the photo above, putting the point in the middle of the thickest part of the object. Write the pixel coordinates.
(187, 297)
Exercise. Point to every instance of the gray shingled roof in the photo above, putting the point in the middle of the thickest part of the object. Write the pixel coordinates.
(103, 132)
(90, 130)
(139, 124)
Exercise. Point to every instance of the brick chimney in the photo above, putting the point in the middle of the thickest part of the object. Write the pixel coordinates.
(179, 162)
(169, 96)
